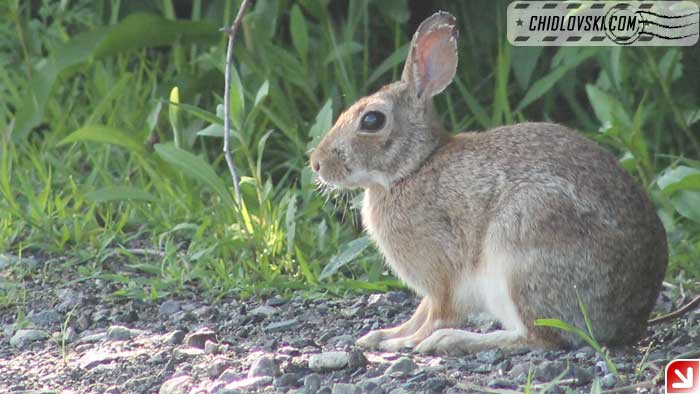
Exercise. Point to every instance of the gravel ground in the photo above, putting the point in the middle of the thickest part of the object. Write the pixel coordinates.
(80, 339)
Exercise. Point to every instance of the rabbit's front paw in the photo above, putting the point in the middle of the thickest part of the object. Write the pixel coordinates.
(396, 344)
(372, 339)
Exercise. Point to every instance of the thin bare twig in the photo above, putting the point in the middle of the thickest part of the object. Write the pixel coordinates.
(677, 313)
(227, 99)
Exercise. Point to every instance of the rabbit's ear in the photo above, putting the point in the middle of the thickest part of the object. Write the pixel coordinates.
(432, 57)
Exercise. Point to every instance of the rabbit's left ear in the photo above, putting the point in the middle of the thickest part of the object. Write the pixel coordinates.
(432, 58)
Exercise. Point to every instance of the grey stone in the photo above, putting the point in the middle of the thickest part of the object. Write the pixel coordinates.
(329, 361)
(582, 376)
(401, 368)
(312, 383)
(276, 301)
(435, 385)
(27, 336)
(492, 356)
(519, 369)
(341, 340)
(93, 358)
(247, 383)
(121, 333)
(217, 367)
(200, 337)
(344, 388)
(263, 366)
(188, 352)
(174, 338)
(177, 385)
(211, 347)
(44, 318)
(501, 383)
(69, 299)
(263, 310)
(229, 375)
(608, 381)
(169, 308)
(91, 337)
(287, 380)
(282, 325)
(549, 370)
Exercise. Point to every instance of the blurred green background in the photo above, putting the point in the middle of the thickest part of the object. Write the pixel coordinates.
(93, 186)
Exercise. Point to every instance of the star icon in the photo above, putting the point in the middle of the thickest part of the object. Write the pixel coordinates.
(519, 22)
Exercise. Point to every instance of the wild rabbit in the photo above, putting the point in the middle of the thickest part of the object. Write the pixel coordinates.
(522, 221)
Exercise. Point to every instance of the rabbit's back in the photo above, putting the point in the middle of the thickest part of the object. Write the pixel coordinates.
(563, 220)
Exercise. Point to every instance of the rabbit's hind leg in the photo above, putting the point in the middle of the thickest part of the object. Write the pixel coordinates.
(372, 339)
(457, 342)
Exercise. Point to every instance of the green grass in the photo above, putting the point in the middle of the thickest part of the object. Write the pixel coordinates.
(89, 172)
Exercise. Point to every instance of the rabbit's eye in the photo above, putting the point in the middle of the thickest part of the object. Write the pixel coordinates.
(372, 121)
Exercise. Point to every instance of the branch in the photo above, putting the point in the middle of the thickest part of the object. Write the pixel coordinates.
(227, 99)
(677, 313)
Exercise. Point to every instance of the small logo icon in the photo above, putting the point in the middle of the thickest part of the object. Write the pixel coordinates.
(683, 377)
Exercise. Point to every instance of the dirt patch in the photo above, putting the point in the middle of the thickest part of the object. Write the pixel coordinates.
(78, 338)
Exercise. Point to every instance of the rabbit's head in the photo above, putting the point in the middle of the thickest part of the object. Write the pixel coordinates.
(385, 137)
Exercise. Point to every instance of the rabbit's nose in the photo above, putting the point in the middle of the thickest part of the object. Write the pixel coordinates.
(315, 164)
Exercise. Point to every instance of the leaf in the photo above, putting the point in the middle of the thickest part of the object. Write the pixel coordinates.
(213, 130)
(544, 84)
(300, 32)
(323, 123)
(136, 31)
(348, 253)
(105, 134)
(524, 61)
(556, 323)
(342, 50)
(290, 221)
(393, 60)
(607, 108)
(262, 93)
(237, 103)
(205, 115)
(120, 193)
(143, 30)
(687, 204)
(152, 119)
(195, 168)
(679, 178)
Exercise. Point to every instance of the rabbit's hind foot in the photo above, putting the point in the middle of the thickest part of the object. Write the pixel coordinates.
(456, 342)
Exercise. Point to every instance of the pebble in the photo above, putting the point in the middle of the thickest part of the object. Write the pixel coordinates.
(263, 310)
(608, 381)
(263, 366)
(493, 356)
(177, 385)
(282, 325)
(341, 340)
(344, 388)
(94, 357)
(217, 367)
(276, 301)
(174, 337)
(329, 361)
(27, 336)
(44, 318)
(169, 308)
(549, 370)
(287, 380)
(312, 383)
(500, 383)
(401, 368)
(121, 333)
(436, 385)
(211, 347)
(69, 299)
(247, 383)
(199, 338)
